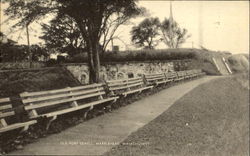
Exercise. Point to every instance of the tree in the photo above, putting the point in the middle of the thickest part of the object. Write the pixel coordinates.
(90, 16)
(172, 35)
(38, 52)
(144, 35)
(10, 52)
(116, 20)
(62, 35)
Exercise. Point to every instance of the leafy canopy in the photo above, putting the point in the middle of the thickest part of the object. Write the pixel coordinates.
(62, 35)
(172, 35)
(145, 33)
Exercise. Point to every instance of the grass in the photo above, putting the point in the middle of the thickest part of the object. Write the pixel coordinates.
(13, 83)
(239, 63)
(213, 119)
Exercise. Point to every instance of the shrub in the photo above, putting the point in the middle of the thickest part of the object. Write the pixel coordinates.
(51, 62)
(140, 55)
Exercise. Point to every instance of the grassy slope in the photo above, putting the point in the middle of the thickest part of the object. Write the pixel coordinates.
(215, 122)
(13, 83)
(239, 63)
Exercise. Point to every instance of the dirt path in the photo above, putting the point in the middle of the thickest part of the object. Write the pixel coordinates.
(98, 135)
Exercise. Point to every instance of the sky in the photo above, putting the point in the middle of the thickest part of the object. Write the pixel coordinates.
(216, 25)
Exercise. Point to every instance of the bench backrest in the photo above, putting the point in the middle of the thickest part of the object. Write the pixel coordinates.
(181, 74)
(198, 70)
(5, 110)
(171, 75)
(70, 95)
(124, 84)
(190, 72)
(151, 78)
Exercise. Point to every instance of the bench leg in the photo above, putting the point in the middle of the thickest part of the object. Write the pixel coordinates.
(25, 128)
(86, 113)
(50, 121)
(139, 91)
(114, 100)
(151, 89)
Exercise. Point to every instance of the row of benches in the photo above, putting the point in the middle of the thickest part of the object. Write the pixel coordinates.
(163, 78)
(50, 104)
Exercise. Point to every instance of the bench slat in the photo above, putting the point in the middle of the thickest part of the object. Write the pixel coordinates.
(78, 107)
(124, 83)
(158, 78)
(160, 82)
(4, 100)
(30, 94)
(16, 126)
(44, 104)
(124, 87)
(3, 107)
(37, 99)
(129, 79)
(5, 114)
(154, 76)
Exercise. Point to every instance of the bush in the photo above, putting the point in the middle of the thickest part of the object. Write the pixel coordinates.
(140, 55)
(51, 62)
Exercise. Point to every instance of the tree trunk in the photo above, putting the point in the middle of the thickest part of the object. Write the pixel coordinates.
(92, 44)
(94, 63)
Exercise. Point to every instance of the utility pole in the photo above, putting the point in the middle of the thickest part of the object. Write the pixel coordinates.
(171, 22)
(112, 44)
(28, 41)
(201, 23)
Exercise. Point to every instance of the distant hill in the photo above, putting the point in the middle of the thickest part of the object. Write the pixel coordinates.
(239, 62)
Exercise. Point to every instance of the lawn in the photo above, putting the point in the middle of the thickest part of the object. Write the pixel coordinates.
(13, 83)
(213, 119)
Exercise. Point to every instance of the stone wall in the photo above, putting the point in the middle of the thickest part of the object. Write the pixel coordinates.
(112, 71)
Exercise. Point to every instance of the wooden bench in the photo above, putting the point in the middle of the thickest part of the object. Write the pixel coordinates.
(181, 75)
(7, 113)
(52, 103)
(190, 74)
(194, 73)
(128, 86)
(156, 79)
(171, 76)
(200, 73)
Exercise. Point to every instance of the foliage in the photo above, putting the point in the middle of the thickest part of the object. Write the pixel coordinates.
(91, 18)
(12, 52)
(172, 35)
(38, 51)
(145, 33)
(141, 55)
(63, 36)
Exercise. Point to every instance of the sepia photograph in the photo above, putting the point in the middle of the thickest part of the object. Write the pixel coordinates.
(124, 77)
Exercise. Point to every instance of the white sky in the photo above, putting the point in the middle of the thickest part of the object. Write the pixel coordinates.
(225, 24)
